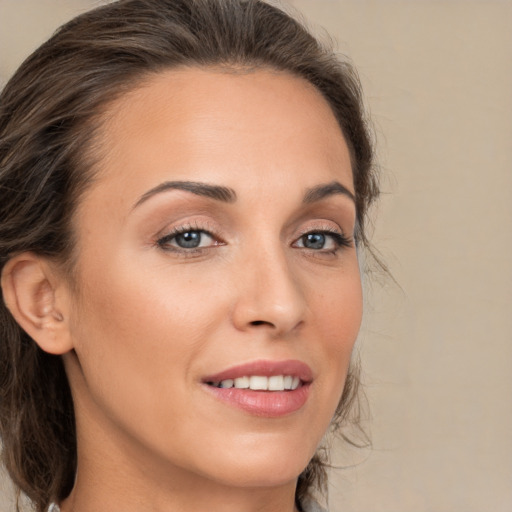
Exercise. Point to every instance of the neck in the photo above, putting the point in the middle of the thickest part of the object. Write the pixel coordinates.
(116, 474)
(115, 492)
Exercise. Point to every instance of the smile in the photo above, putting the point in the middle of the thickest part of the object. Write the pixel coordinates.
(260, 383)
(263, 388)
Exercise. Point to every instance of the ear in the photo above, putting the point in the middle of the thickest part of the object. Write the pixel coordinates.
(34, 295)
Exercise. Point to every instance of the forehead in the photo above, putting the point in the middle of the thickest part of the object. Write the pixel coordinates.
(234, 128)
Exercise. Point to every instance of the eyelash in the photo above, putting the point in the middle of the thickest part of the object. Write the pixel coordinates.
(164, 241)
(340, 240)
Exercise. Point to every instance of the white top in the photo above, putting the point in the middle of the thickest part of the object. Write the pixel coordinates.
(310, 506)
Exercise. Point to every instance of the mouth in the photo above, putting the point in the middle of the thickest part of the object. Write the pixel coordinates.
(260, 383)
(263, 388)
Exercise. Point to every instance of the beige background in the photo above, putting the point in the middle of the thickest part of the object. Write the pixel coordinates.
(437, 351)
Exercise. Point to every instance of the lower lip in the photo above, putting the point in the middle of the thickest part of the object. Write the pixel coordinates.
(269, 404)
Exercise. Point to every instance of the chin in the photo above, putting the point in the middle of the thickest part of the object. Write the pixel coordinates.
(265, 475)
(267, 463)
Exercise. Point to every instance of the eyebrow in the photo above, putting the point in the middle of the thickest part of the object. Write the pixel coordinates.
(319, 192)
(217, 192)
(228, 195)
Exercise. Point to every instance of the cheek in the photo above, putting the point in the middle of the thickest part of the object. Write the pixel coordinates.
(338, 314)
(129, 317)
(343, 320)
(338, 309)
(146, 322)
(137, 334)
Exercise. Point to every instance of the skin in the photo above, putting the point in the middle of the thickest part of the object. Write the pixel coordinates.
(145, 322)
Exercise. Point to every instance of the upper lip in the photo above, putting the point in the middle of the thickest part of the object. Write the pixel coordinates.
(264, 368)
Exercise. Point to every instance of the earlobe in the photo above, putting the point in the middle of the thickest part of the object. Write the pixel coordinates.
(29, 291)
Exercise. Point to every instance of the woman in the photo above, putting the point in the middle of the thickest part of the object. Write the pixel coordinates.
(184, 189)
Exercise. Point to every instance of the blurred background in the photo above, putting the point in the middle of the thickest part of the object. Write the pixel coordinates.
(436, 347)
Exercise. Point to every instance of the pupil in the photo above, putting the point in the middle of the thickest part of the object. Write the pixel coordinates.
(314, 241)
(189, 240)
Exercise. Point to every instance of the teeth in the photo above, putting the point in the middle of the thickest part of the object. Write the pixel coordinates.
(260, 383)
(276, 383)
(242, 382)
(228, 383)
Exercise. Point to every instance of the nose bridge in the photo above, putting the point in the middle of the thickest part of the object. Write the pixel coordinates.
(270, 293)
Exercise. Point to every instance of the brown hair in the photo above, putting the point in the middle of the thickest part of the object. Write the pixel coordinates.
(49, 113)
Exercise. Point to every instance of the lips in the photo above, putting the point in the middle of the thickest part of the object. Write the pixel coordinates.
(263, 388)
(265, 369)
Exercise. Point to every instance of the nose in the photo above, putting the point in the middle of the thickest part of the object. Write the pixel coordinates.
(269, 294)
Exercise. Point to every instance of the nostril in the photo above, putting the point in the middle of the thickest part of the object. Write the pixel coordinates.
(260, 322)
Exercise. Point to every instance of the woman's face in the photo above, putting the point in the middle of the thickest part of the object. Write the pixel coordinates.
(215, 244)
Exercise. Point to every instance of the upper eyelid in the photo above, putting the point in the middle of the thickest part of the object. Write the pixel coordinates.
(215, 230)
(324, 226)
(327, 229)
(174, 233)
(193, 225)
(336, 234)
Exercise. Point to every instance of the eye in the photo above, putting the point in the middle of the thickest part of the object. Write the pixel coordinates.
(315, 240)
(323, 241)
(187, 239)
